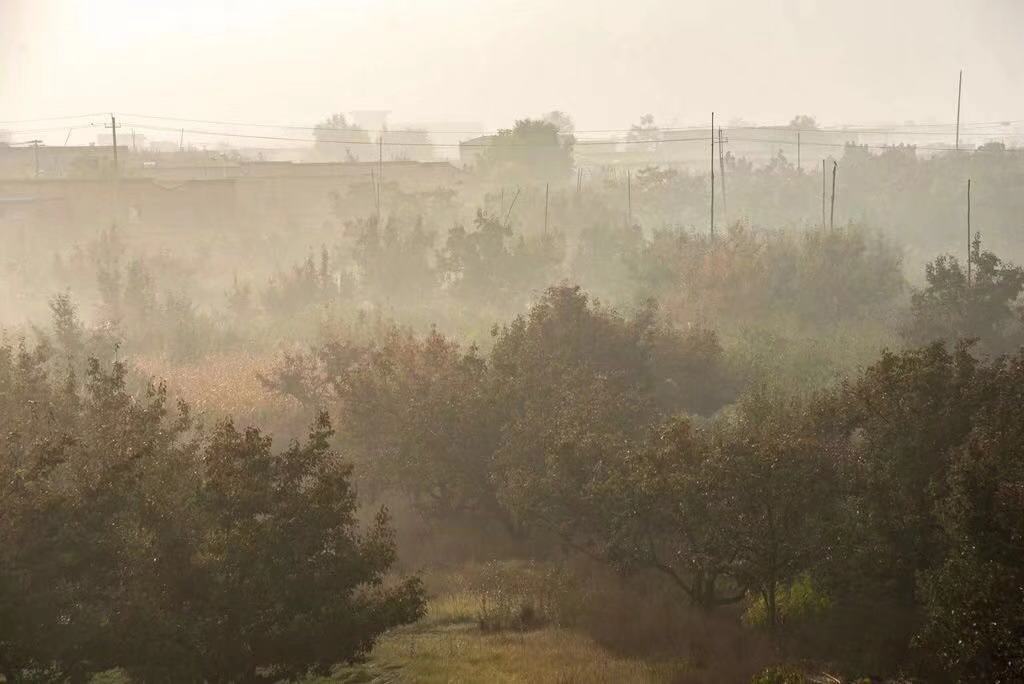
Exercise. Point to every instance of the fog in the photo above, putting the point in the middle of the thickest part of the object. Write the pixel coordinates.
(287, 62)
(401, 342)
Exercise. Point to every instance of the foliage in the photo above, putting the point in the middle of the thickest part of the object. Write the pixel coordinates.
(491, 265)
(987, 308)
(532, 150)
(133, 539)
(336, 139)
(455, 431)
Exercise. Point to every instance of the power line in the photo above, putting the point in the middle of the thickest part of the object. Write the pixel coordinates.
(864, 128)
(53, 118)
(583, 143)
(409, 143)
(20, 131)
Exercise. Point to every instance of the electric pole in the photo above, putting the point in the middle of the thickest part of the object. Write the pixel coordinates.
(113, 126)
(712, 175)
(959, 92)
(798, 167)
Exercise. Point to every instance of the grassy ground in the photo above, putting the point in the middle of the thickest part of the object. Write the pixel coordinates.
(448, 647)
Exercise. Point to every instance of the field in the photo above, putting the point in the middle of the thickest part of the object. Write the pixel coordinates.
(448, 646)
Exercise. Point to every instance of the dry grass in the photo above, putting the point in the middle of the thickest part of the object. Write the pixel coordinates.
(222, 385)
(448, 646)
(463, 654)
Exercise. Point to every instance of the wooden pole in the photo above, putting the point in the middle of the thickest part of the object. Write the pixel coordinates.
(113, 130)
(832, 211)
(968, 232)
(35, 147)
(959, 92)
(712, 175)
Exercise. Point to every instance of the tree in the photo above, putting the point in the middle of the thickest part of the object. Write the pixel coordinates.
(896, 428)
(777, 486)
(804, 122)
(560, 120)
(491, 264)
(133, 539)
(336, 139)
(974, 600)
(987, 309)
(645, 131)
(580, 386)
(532, 151)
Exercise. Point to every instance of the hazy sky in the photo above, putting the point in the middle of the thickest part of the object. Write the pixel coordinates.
(490, 61)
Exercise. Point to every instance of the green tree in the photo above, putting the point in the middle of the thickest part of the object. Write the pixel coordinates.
(532, 151)
(133, 539)
(974, 600)
(987, 308)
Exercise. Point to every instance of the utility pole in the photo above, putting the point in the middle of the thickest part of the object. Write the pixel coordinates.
(712, 175)
(798, 166)
(380, 173)
(134, 148)
(968, 232)
(546, 189)
(832, 211)
(823, 194)
(721, 167)
(579, 180)
(113, 126)
(629, 199)
(35, 145)
(181, 141)
(959, 92)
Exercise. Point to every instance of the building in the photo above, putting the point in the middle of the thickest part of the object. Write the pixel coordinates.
(45, 161)
(471, 150)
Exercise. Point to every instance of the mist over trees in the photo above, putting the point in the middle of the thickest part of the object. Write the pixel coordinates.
(391, 398)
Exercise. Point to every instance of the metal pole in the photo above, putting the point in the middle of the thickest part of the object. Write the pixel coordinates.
(712, 175)
(959, 92)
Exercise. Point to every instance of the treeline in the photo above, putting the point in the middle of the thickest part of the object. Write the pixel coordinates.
(465, 279)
